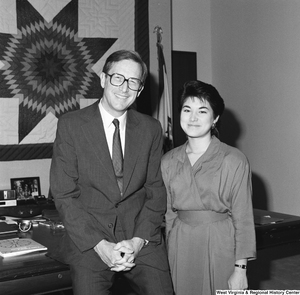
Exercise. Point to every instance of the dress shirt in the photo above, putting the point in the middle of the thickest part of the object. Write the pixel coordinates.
(109, 127)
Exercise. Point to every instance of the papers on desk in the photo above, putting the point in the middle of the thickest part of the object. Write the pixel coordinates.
(266, 219)
(15, 247)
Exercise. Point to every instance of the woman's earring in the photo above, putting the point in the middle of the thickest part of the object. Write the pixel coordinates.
(213, 126)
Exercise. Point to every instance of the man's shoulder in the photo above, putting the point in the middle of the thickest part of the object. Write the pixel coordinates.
(80, 113)
(144, 118)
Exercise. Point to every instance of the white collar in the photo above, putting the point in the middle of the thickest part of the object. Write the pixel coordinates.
(107, 118)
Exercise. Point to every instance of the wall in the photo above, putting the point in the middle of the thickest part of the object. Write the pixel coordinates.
(192, 32)
(253, 51)
(256, 66)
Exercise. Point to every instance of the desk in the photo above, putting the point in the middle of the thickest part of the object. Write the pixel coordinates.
(34, 273)
(286, 231)
(37, 273)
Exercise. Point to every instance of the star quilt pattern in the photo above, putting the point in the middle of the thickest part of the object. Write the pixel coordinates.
(48, 67)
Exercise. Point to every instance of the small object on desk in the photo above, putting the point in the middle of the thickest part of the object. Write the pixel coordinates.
(8, 203)
(7, 194)
(46, 223)
(54, 225)
(16, 247)
(57, 225)
(266, 219)
(6, 228)
(25, 225)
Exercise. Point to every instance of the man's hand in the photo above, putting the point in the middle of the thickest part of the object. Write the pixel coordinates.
(130, 248)
(116, 260)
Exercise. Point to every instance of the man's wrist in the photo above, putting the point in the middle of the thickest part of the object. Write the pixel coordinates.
(142, 242)
(100, 244)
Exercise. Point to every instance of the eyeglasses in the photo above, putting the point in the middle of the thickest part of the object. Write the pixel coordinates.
(118, 80)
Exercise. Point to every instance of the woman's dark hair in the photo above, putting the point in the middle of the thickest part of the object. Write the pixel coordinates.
(123, 55)
(205, 92)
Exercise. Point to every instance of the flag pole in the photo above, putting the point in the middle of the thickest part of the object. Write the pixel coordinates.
(163, 110)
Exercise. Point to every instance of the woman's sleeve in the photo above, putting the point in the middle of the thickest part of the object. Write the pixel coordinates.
(170, 214)
(242, 211)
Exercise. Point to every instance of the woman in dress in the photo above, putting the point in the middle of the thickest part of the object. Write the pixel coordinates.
(209, 220)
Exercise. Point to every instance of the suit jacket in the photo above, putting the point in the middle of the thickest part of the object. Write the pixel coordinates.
(86, 192)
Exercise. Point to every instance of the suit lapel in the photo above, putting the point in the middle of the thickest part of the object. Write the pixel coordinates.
(132, 146)
(95, 135)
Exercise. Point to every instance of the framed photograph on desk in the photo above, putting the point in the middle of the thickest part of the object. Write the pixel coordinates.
(26, 188)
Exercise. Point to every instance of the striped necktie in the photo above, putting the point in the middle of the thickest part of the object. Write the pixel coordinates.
(117, 155)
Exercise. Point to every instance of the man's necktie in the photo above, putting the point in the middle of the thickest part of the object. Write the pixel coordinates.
(117, 155)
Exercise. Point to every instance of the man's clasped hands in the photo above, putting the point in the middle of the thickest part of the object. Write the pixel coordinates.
(120, 256)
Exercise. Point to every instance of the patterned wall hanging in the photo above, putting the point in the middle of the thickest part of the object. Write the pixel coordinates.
(51, 52)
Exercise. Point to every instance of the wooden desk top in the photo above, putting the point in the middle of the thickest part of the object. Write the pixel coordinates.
(35, 272)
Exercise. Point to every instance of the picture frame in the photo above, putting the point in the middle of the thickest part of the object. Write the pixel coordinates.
(26, 188)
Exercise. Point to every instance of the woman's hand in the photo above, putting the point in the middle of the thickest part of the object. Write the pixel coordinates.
(238, 280)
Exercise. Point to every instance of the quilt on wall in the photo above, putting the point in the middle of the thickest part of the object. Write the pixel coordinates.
(51, 54)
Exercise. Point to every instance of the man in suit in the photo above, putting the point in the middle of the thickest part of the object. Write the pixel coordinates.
(112, 216)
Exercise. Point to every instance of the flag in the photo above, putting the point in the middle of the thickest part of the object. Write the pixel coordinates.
(163, 111)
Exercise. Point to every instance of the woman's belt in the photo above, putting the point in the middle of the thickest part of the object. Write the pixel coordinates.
(200, 217)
